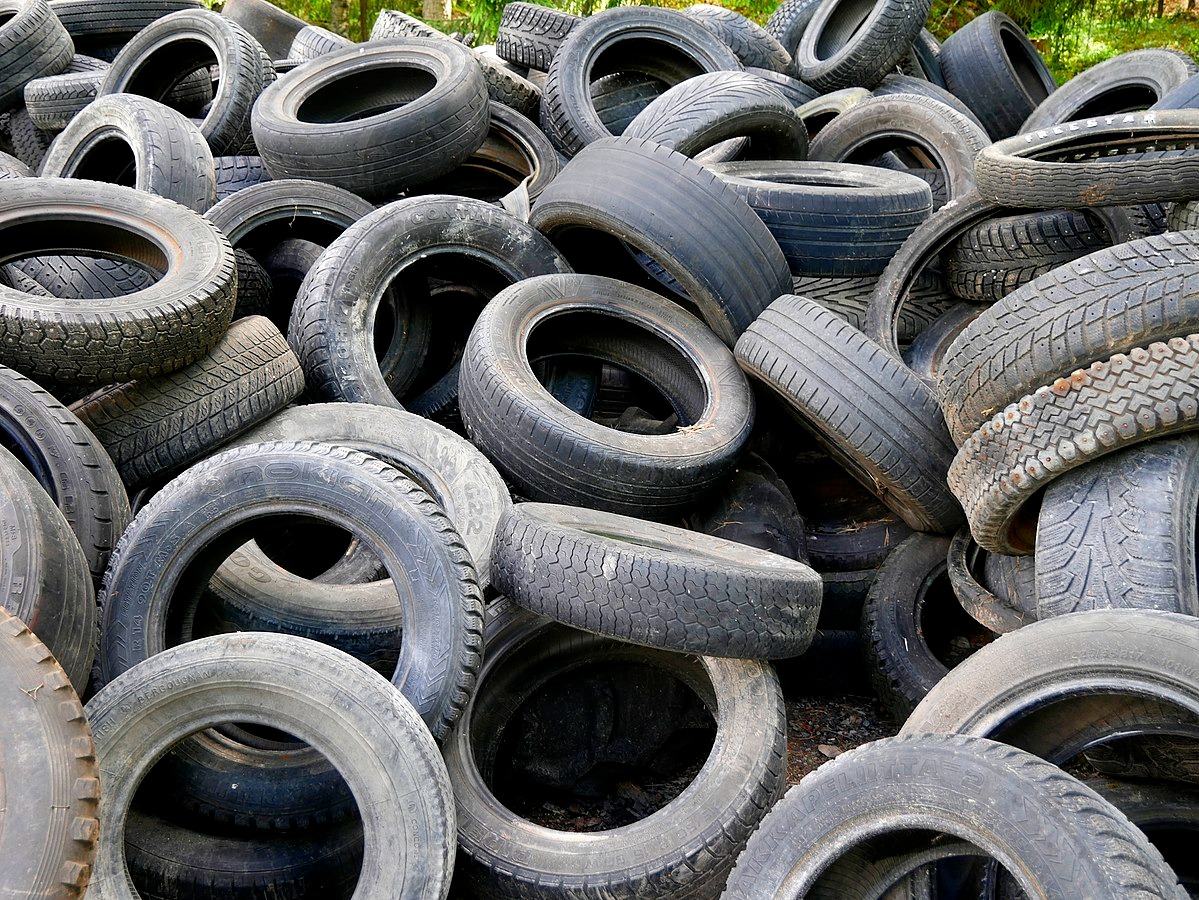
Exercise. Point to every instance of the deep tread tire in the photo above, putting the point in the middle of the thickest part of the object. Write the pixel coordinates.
(530, 34)
(854, 43)
(33, 43)
(754, 45)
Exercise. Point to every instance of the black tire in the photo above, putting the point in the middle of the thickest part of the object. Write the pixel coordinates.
(823, 837)
(854, 537)
(394, 769)
(29, 143)
(153, 331)
(271, 26)
(871, 414)
(662, 43)
(693, 117)
(692, 841)
(937, 134)
(704, 595)
(68, 462)
(33, 44)
(796, 92)
(312, 42)
(1126, 83)
(789, 20)
(156, 427)
(1121, 533)
(824, 109)
(1103, 162)
(530, 34)
(140, 143)
(171, 48)
(731, 269)
(253, 287)
(111, 23)
(854, 43)
(967, 563)
(552, 453)
(391, 144)
(849, 297)
(992, 66)
(831, 219)
(52, 780)
(53, 100)
(81, 277)
(925, 354)
(618, 98)
(1141, 291)
(260, 217)
(336, 342)
(1184, 96)
(45, 576)
(754, 45)
(906, 84)
(236, 173)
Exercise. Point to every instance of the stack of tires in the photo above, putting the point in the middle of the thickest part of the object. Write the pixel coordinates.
(437, 466)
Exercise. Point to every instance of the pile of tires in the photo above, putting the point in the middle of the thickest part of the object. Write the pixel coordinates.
(429, 471)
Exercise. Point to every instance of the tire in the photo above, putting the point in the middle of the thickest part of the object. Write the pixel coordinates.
(68, 462)
(312, 42)
(254, 290)
(45, 578)
(907, 84)
(126, 139)
(927, 50)
(831, 219)
(754, 45)
(153, 331)
(1129, 82)
(855, 43)
(849, 297)
(694, 117)
(33, 44)
(111, 23)
(691, 843)
(819, 839)
(1121, 533)
(236, 173)
(52, 779)
(171, 48)
(29, 142)
(395, 770)
(868, 411)
(620, 97)
(401, 144)
(1183, 96)
(1000, 614)
(1184, 216)
(11, 167)
(881, 125)
(82, 277)
(796, 92)
(925, 354)
(789, 20)
(704, 595)
(411, 536)
(605, 196)
(261, 217)
(53, 100)
(824, 109)
(1013, 580)
(272, 27)
(1079, 167)
(157, 427)
(530, 34)
(992, 66)
(854, 537)
(336, 342)
(661, 43)
(550, 452)
(1139, 290)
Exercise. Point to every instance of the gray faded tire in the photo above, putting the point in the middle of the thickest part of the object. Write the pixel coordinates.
(399, 522)
(997, 613)
(1121, 532)
(1184, 216)
(789, 20)
(312, 42)
(33, 43)
(155, 427)
(653, 584)
(271, 26)
(43, 572)
(1138, 157)
(261, 216)
(158, 329)
(849, 297)
(140, 143)
(11, 167)
(872, 415)
(1107, 302)
(1125, 83)
(844, 831)
(753, 44)
(52, 780)
(685, 849)
(553, 453)
(170, 49)
(53, 100)
(68, 462)
(662, 43)
(992, 66)
(236, 173)
(796, 92)
(1150, 392)
(854, 43)
(907, 84)
(816, 114)
(340, 120)
(350, 714)
(623, 191)
(530, 34)
(693, 117)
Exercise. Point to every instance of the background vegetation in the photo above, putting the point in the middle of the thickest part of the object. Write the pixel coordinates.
(1072, 34)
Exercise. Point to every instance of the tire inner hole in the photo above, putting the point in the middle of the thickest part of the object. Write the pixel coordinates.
(360, 95)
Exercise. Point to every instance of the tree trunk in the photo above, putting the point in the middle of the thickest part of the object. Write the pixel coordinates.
(363, 15)
(339, 17)
(438, 10)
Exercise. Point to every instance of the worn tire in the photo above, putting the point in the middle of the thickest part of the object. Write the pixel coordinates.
(995, 611)
(272, 27)
(53, 100)
(33, 44)
(236, 173)
(530, 34)
(855, 43)
(753, 44)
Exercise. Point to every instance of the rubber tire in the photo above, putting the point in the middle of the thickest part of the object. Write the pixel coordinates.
(855, 43)
(155, 428)
(53, 100)
(754, 45)
(655, 585)
(789, 20)
(907, 84)
(33, 44)
(29, 143)
(11, 167)
(845, 387)
(854, 537)
(153, 331)
(1121, 533)
(651, 198)
(236, 173)
(849, 297)
(312, 42)
(52, 793)
(1184, 96)
(170, 157)
(530, 34)
(925, 354)
(68, 462)
(993, 612)
(260, 217)
(271, 26)
(111, 23)
(351, 714)
(688, 846)
(818, 113)
(400, 145)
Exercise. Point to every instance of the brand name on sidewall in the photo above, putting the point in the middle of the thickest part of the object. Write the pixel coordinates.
(1067, 127)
